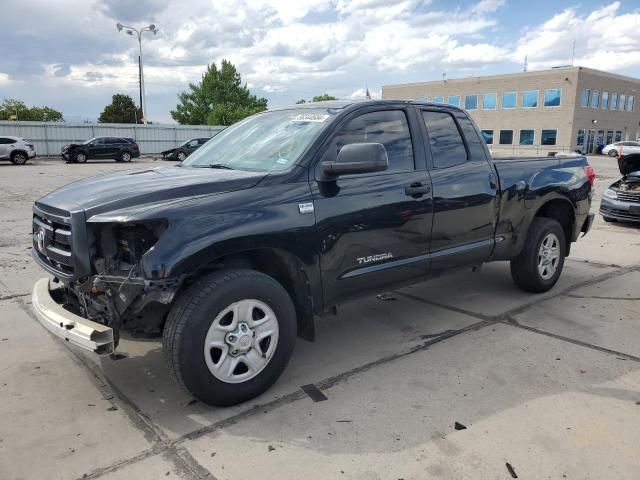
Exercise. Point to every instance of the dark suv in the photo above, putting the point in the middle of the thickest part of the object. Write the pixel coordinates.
(118, 148)
(185, 149)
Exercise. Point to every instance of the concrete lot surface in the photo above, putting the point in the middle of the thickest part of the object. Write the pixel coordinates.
(461, 377)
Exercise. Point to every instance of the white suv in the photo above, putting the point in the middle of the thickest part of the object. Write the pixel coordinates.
(16, 149)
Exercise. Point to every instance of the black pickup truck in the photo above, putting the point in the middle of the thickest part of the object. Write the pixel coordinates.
(283, 216)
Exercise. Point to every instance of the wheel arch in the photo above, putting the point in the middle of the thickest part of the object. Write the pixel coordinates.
(561, 210)
(286, 268)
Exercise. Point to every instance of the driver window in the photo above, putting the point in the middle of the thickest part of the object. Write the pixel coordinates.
(193, 143)
(388, 127)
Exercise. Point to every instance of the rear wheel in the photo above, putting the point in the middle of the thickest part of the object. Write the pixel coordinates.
(80, 157)
(540, 263)
(125, 157)
(229, 336)
(19, 158)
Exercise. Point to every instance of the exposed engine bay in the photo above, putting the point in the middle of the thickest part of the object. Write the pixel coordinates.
(117, 294)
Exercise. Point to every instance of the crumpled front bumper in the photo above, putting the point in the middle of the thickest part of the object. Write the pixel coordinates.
(76, 330)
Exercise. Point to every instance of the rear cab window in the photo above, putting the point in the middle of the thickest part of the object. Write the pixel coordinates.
(447, 146)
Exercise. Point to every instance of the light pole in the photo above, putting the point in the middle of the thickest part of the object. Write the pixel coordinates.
(138, 32)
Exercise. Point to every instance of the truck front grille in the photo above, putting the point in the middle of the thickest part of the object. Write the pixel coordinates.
(52, 241)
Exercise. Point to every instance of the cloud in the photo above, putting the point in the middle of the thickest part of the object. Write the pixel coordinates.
(604, 39)
(288, 50)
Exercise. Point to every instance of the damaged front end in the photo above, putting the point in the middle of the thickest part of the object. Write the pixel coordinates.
(621, 201)
(117, 294)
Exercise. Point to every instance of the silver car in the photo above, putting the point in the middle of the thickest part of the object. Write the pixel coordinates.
(628, 147)
(16, 149)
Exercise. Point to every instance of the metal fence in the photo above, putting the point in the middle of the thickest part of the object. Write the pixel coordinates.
(48, 137)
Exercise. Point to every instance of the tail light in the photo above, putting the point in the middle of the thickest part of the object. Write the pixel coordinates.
(590, 173)
(135, 146)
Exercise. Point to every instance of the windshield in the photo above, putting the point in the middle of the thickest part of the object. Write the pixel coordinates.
(266, 142)
(87, 142)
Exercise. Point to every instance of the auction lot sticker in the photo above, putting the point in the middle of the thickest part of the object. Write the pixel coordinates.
(310, 117)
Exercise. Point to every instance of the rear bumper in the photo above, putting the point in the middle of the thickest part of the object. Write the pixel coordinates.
(91, 336)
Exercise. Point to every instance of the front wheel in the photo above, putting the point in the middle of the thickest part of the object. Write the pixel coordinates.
(613, 153)
(80, 157)
(229, 336)
(541, 260)
(181, 156)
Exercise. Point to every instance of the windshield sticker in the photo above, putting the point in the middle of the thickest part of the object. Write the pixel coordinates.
(282, 161)
(310, 117)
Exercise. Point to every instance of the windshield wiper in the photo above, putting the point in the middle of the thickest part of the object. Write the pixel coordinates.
(215, 165)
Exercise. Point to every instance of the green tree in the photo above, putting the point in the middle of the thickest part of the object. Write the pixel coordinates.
(45, 114)
(218, 99)
(323, 98)
(301, 101)
(12, 109)
(121, 110)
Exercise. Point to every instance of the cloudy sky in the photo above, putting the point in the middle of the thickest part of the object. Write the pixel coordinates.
(69, 55)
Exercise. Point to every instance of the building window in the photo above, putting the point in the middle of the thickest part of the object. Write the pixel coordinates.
(509, 99)
(530, 99)
(614, 101)
(454, 100)
(595, 98)
(438, 100)
(584, 97)
(471, 102)
(580, 139)
(506, 137)
(621, 102)
(526, 137)
(609, 137)
(488, 136)
(489, 101)
(548, 137)
(618, 136)
(630, 103)
(552, 97)
(605, 100)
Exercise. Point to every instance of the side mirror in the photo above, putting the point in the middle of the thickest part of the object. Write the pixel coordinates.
(357, 158)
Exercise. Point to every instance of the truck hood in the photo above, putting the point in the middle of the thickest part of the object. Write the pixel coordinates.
(629, 164)
(137, 187)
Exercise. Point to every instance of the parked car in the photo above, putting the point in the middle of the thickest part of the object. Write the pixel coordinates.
(117, 148)
(284, 216)
(185, 149)
(627, 147)
(15, 149)
(621, 201)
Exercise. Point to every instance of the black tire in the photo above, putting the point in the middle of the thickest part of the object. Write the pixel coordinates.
(613, 153)
(80, 157)
(524, 268)
(124, 156)
(180, 156)
(19, 158)
(193, 313)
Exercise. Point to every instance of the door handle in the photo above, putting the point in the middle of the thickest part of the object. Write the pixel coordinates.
(417, 189)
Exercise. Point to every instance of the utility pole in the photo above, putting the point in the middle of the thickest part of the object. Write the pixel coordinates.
(138, 33)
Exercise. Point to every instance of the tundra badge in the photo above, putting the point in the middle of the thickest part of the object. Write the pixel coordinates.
(374, 258)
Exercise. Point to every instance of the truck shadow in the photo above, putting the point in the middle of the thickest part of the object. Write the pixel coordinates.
(389, 360)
